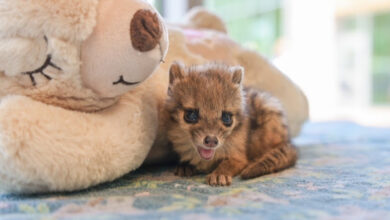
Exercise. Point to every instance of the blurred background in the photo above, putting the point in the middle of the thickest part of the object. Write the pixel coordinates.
(337, 51)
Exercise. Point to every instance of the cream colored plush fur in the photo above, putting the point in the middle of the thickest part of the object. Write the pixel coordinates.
(71, 20)
(62, 134)
(69, 133)
(46, 148)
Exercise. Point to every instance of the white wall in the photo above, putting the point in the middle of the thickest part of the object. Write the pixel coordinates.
(309, 57)
(320, 58)
(174, 10)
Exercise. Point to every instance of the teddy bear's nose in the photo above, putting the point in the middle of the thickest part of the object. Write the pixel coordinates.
(145, 30)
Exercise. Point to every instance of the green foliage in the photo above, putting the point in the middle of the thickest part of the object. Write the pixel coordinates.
(381, 59)
(254, 23)
(382, 35)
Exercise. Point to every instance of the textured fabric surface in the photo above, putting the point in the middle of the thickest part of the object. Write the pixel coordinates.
(343, 173)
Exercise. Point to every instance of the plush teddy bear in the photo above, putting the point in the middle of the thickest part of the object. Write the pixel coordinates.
(74, 108)
(79, 104)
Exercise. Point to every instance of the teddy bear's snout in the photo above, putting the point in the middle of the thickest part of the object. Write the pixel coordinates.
(145, 30)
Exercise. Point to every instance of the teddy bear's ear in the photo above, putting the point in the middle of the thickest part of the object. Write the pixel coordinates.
(176, 72)
(238, 74)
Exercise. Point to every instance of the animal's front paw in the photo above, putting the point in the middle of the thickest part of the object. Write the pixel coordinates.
(218, 180)
(185, 170)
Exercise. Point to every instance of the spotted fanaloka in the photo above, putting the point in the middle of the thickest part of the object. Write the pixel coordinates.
(220, 128)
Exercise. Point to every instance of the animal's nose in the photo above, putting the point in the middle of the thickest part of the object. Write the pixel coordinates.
(211, 141)
(145, 30)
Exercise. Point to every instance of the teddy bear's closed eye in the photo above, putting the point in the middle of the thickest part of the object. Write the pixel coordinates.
(40, 70)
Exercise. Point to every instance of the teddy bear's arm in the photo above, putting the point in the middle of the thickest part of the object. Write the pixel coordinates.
(47, 148)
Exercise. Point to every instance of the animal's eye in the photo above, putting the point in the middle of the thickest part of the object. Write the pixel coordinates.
(227, 118)
(191, 116)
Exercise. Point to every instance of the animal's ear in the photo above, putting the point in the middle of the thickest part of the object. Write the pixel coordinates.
(176, 72)
(238, 74)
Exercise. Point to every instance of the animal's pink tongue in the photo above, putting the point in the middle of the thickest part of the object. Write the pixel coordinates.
(206, 154)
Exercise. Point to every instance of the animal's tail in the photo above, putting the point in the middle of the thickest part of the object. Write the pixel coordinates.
(281, 157)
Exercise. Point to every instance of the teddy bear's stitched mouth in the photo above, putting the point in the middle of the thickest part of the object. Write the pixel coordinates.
(41, 70)
(124, 82)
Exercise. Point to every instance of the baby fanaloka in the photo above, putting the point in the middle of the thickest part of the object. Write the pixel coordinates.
(218, 127)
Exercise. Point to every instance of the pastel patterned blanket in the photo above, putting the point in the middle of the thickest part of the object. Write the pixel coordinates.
(343, 173)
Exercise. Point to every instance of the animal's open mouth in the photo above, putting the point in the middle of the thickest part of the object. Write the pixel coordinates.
(124, 82)
(41, 70)
(206, 153)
